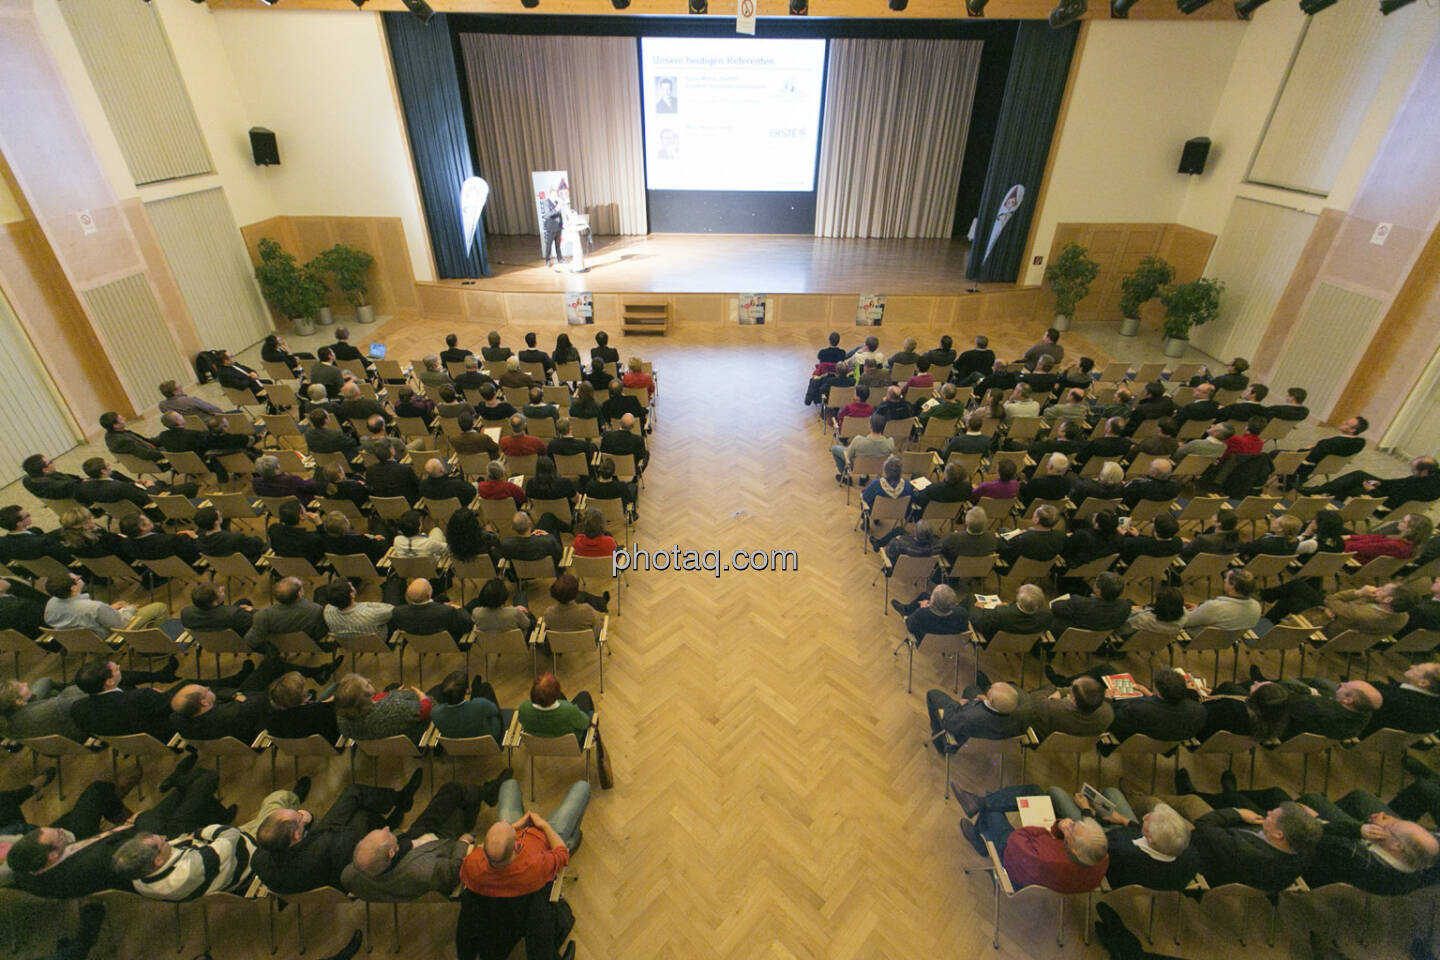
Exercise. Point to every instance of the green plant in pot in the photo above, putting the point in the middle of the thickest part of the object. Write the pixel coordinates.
(1142, 284)
(1070, 276)
(349, 268)
(295, 291)
(1188, 305)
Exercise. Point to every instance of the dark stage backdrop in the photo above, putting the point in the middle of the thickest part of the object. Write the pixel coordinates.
(679, 211)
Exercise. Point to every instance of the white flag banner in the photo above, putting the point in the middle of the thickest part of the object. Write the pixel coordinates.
(473, 194)
(745, 17)
(1008, 206)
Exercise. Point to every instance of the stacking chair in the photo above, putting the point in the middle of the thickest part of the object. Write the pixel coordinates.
(574, 641)
(297, 747)
(1216, 640)
(453, 747)
(998, 511)
(81, 642)
(1358, 510)
(354, 566)
(1192, 467)
(425, 567)
(1265, 567)
(346, 507)
(172, 569)
(882, 516)
(297, 567)
(235, 506)
(17, 643)
(440, 510)
(1377, 570)
(1253, 901)
(1200, 510)
(480, 569)
(974, 568)
(57, 748)
(1306, 745)
(187, 463)
(501, 640)
(941, 514)
(1006, 643)
(1283, 637)
(1416, 641)
(1255, 509)
(1227, 743)
(390, 508)
(945, 644)
(911, 576)
(224, 747)
(233, 567)
(1063, 744)
(1147, 644)
(1146, 569)
(370, 643)
(149, 642)
(1094, 505)
(441, 643)
(1138, 744)
(594, 568)
(1351, 643)
(861, 467)
(296, 645)
(1076, 640)
(215, 642)
(1205, 566)
(139, 746)
(853, 427)
(324, 899)
(398, 745)
(564, 746)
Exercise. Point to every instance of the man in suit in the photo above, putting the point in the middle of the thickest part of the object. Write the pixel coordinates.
(453, 352)
(1268, 851)
(625, 441)
(999, 378)
(665, 102)
(552, 224)
(1348, 443)
(1155, 406)
(1411, 703)
(1152, 851)
(298, 853)
(1366, 845)
(208, 611)
(25, 541)
(1028, 614)
(1171, 713)
(394, 867)
(1422, 484)
(142, 542)
(973, 539)
(234, 706)
(289, 539)
(44, 481)
(1040, 542)
(1083, 710)
(1155, 485)
(115, 705)
(1250, 405)
(998, 713)
(528, 543)
(1111, 444)
(354, 405)
(236, 376)
(1049, 345)
(602, 351)
(323, 435)
(619, 403)
(119, 439)
(1334, 711)
(566, 443)
(102, 485)
(493, 352)
(532, 354)
(325, 373)
(214, 541)
(440, 485)
(972, 441)
(177, 438)
(22, 608)
(345, 351)
(1293, 409)
(389, 478)
(422, 615)
(1166, 541)
(290, 613)
(1201, 407)
(1053, 485)
(1107, 609)
(472, 379)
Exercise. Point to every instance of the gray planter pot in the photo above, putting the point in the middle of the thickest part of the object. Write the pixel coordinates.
(304, 326)
(1175, 348)
(325, 318)
(365, 313)
(1062, 322)
(1129, 326)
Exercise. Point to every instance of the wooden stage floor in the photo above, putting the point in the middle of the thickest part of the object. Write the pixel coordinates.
(730, 263)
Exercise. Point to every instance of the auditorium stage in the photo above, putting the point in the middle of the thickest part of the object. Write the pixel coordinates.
(730, 263)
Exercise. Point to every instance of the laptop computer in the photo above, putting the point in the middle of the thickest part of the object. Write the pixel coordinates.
(377, 351)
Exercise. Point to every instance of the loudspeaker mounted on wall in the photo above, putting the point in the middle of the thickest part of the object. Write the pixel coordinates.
(264, 148)
(1192, 158)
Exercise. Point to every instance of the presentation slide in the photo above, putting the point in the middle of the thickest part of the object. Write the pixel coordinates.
(731, 114)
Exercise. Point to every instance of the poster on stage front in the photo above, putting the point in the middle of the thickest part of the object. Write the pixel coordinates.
(751, 309)
(552, 198)
(579, 309)
(871, 310)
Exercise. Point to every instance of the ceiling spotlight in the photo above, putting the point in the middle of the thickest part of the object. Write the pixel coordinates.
(1244, 8)
(1388, 7)
(1312, 7)
(1188, 7)
(619, 4)
(799, 8)
(1067, 12)
(268, 3)
(699, 7)
(1120, 9)
(420, 9)
(359, 3)
(898, 5)
(975, 8)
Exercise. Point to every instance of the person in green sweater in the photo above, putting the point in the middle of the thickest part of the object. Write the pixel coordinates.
(548, 714)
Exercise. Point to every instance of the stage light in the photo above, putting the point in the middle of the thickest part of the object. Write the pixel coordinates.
(975, 8)
(1388, 7)
(1312, 7)
(619, 4)
(1120, 9)
(898, 5)
(268, 3)
(1244, 8)
(699, 7)
(799, 8)
(1188, 7)
(359, 3)
(1067, 12)
(421, 9)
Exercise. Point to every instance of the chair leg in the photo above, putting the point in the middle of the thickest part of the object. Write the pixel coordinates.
(179, 935)
(1060, 933)
(532, 779)
(396, 909)
(300, 927)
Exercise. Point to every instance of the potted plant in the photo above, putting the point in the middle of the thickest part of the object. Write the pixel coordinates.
(1188, 305)
(1070, 276)
(349, 266)
(1148, 278)
(296, 292)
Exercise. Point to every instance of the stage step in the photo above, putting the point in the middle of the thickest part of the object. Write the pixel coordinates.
(645, 315)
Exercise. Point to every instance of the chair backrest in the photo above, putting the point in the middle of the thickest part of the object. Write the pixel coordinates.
(1417, 641)
(138, 745)
(1145, 568)
(1358, 509)
(842, 396)
(392, 746)
(311, 746)
(1027, 569)
(1139, 743)
(235, 566)
(1200, 509)
(540, 569)
(1303, 743)
(889, 509)
(354, 565)
(1193, 465)
(973, 567)
(499, 640)
(172, 567)
(390, 508)
(415, 568)
(151, 641)
(297, 567)
(571, 641)
(1066, 743)
(572, 465)
(223, 747)
(365, 643)
(1263, 566)
(1254, 508)
(997, 510)
(1204, 566)
(1078, 640)
(624, 465)
(221, 641)
(82, 641)
(1283, 636)
(54, 745)
(1351, 641)
(1224, 741)
(485, 746)
(560, 509)
(1214, 638)
(441, 642)
(477, 568)
(110, 567)
(1148, 641)
(296, 644)
(1147, 510)
(187, 462)
(1094, 505)
(1005, 642)
(234, 505)
(564, 745)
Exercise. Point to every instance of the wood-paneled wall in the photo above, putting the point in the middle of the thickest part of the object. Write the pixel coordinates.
(1118, 248)
(392, 282)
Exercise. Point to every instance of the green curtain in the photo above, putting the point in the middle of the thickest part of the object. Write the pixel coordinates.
(1033, 92)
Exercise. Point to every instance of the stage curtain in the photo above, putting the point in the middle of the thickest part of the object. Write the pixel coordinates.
(896, 115)
(429, 85)
(558, 103)
(1033, 92)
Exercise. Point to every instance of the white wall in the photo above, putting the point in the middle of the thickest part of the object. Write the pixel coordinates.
(321, 81)
(1142, 89)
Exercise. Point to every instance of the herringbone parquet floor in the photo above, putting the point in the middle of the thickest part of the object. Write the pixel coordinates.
(774, 798)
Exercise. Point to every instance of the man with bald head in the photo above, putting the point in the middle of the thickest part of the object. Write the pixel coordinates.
(623, 440)
(1336, 711)
(1155, 485)
(390, 866)
(234, 706)
(290, 613)
(518, 443)
(354, 405)
(440, 484)
(998, 713)
(420, 614)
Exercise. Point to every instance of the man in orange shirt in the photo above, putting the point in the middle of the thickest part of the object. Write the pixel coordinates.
(636, 377)
(503, 878)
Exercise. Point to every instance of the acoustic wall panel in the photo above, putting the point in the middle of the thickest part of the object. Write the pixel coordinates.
(1311, 359)
(139, 343)
(128, 58)
(35, 421)
(208, 258)
(1257, 251)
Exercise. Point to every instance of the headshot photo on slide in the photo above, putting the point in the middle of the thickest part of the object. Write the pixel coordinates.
(665, 95)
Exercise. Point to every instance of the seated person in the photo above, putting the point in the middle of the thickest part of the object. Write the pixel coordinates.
(70, 608)
(1282, 540)
(290, 613)
(592, 540)
(1165, 542)
(953, 487)
(1337, 711)
(1411, 703)
(461, 712)
(1412, 533)
(606, 487)
(214, 541)
(346, 617)
(420, 614)
(236, 706)
(891, 484)
(1071, 857)
(364, 714)
(1082, 710)
(340, 539)
(1258, 711)
(491, 613)
(548, 714)
(574, 610)
(1041, 541)
(998, 713)
(973, 539)
(497, 486)
(939, 614)
(1172, 712)
(269, 481)
(1005, 486)
(1027, 615)
(296, 713)
(1235, 609)
(1166, 616)
(438, 484)
(288, 538)
(41, 709)
(1106, 609)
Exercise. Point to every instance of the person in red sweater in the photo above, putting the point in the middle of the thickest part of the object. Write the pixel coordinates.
(637, 377)
(519, 443)
(1247, 442)
(1413, 530)
(495, 486)
(592, 540)
(1071, 857)
(860, 407)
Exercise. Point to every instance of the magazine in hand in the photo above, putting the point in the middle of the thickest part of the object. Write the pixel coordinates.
(1036, 812)
(1099, 803)
(987, 601)
(1122, 686)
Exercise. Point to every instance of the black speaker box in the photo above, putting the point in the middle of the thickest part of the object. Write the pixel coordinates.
(1192, 158)
(263, 147)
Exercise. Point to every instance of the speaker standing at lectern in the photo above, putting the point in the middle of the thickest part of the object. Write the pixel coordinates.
(554, 222)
